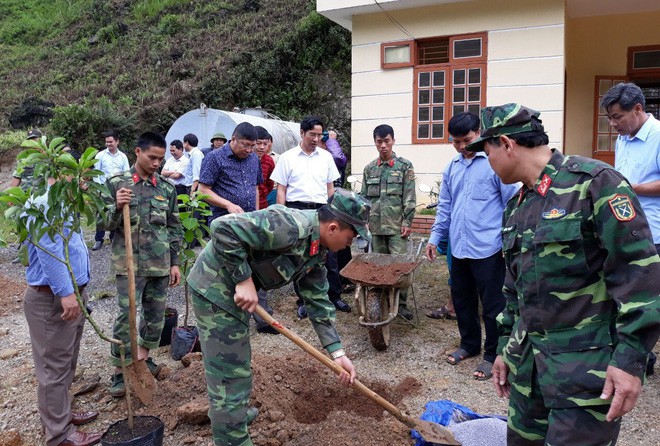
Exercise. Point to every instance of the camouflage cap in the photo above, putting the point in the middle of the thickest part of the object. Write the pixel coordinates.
(219, 135)
(352, 209)
(507, 119)
(34, 133)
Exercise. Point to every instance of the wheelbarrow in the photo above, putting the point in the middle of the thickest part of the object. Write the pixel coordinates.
(379, 279)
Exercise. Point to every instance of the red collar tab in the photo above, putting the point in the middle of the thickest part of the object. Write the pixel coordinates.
(136, 179)
(546, 182)
(314, 247)
(521, 195)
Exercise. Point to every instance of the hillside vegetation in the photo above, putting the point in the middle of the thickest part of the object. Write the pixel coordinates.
(139, 64)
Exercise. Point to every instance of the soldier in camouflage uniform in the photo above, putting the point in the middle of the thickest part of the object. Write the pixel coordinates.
(265, 249)
(582, 283)
(24, 176)
(389, 183)
(156, 235)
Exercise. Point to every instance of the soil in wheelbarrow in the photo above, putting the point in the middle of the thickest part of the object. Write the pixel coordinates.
(379, 274)
(300, 403)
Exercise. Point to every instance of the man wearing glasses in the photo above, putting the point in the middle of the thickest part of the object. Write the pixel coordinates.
(230, 175)
(305, 178)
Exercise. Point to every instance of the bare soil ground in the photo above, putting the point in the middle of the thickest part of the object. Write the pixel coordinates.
(300, 401)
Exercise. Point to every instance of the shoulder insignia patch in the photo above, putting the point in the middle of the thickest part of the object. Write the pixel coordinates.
(622, 207)
(314, 247)
(553, 214)
(542, 188)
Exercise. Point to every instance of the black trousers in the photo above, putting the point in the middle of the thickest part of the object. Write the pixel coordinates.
(334, 279)
(471, 280)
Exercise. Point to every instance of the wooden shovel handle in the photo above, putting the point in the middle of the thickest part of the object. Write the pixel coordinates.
(332, 365)
(130, 273)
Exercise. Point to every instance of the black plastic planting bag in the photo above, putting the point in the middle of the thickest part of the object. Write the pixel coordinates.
(184, 340)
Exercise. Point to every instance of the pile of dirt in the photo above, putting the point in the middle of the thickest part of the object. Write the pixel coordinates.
(300, 403)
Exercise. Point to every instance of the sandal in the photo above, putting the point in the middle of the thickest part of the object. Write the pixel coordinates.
(486, 368)
(441, 313)
(459, 355)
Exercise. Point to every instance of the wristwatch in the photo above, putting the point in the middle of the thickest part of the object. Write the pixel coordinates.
(338, 353)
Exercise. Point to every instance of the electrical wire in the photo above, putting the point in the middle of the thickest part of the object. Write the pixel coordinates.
(394, 21)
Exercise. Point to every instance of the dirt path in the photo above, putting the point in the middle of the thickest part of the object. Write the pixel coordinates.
(300, 401)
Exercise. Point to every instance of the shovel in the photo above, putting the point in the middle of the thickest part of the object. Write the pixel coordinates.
(432, 432)
(138, 375)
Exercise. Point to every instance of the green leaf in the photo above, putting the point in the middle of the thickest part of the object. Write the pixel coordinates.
(189, 223)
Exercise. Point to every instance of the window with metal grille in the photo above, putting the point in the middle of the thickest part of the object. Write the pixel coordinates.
(450, 78)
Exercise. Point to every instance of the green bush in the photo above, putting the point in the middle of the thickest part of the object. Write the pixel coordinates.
(82, 125)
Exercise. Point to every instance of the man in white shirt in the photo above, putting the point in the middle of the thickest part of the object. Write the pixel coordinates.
(305, 178)
(175, 167)
(111, 161)
(191, 177)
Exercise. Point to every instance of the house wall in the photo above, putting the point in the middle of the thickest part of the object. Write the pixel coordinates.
(525, 64)
(588, 56)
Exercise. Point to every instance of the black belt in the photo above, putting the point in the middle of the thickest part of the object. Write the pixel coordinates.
(47, 289)
(303, 205)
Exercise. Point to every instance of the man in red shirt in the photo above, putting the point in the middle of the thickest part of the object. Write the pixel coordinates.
(264, 143)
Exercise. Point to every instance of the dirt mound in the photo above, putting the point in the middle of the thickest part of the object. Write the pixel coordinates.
(300, 403)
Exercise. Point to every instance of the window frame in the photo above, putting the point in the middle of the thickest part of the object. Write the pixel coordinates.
(603, 155)
(411, 46)
(635, 73)
(448, 68)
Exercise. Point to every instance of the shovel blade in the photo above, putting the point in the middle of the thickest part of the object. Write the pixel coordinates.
(433, 432)
(141, 381)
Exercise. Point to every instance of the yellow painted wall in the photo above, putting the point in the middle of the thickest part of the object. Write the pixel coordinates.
(598, 46)
(525, 64)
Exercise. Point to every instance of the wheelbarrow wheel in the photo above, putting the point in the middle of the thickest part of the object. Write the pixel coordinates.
(378, 309)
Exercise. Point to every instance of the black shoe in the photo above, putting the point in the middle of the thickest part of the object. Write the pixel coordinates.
(268, 330)
(405, 313)
(342, 306)
(97, 245)
(302, 311)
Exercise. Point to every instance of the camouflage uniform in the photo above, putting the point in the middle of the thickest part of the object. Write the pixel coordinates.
(390, 186)
(156, 235)
(274, 246)
(582, 287)
(26, 175)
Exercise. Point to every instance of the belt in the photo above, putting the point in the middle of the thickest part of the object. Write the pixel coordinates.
(303, 205)
(47, 289)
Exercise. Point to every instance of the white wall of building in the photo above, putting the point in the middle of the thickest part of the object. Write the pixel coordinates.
(525, 64)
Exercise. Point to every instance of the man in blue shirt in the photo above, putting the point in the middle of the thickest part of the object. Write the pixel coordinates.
(472, 199)
(637, 154)
(55, 322)
(230, 175)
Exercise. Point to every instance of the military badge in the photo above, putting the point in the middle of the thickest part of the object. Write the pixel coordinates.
(314, 248)
(411, 175)
(160, 198)
(542, 188)
(553, 214)
(622, 207)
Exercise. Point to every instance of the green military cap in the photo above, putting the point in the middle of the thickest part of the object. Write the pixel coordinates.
(219, 135)
(352, 209)
(507, 119)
